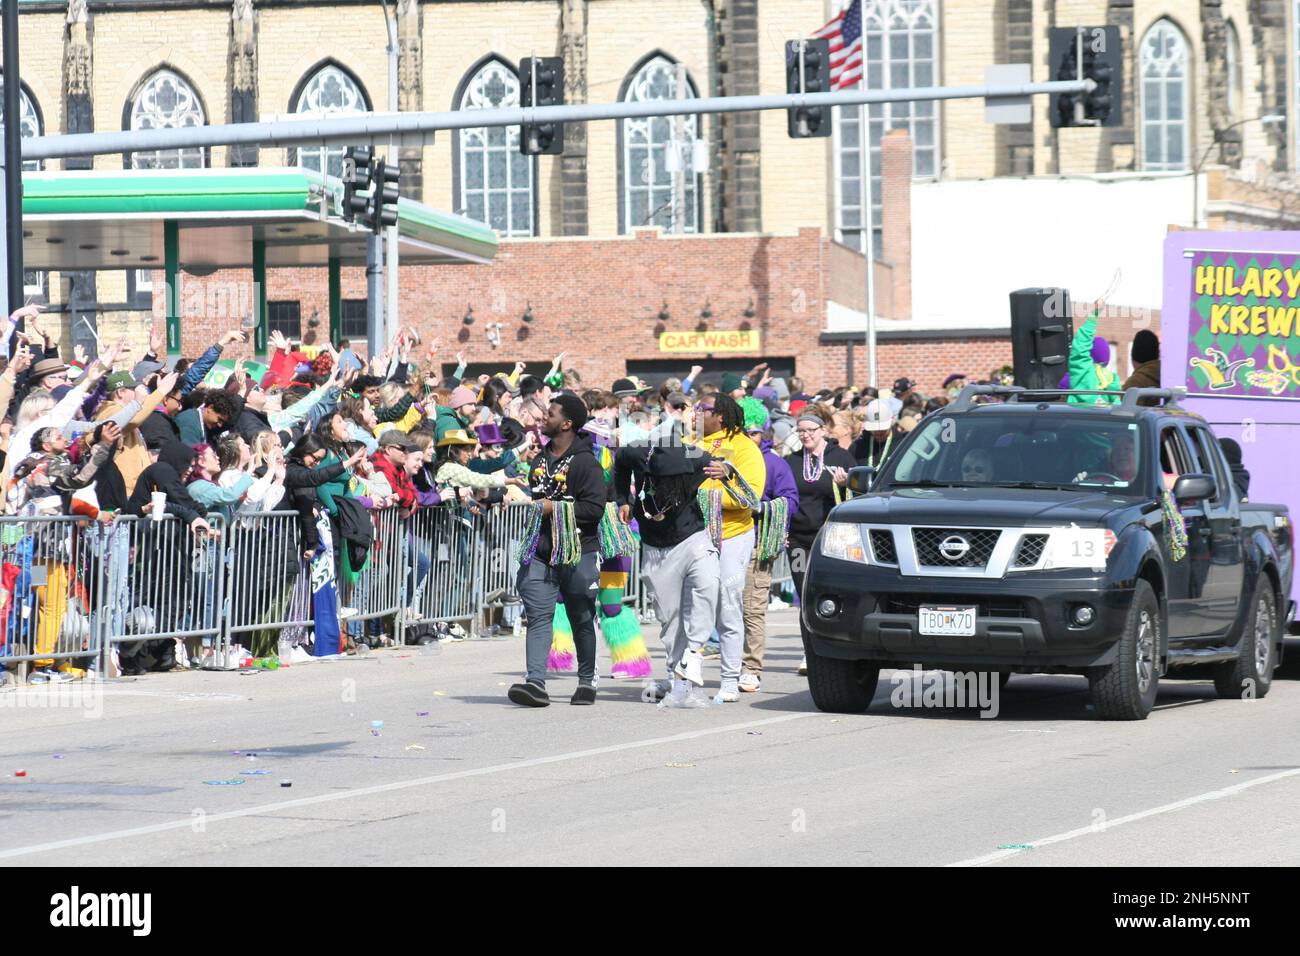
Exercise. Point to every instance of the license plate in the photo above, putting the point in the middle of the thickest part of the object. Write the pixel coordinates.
(948, 621)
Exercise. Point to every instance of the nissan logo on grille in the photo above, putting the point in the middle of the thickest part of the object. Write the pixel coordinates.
(954, 547)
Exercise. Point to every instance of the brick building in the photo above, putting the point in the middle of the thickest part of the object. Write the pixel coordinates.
(771, 234)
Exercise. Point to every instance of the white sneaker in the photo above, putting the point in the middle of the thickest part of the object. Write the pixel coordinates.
(347, 612)
(803, 667)
(750, 683)
(728, 693)
(691, 668)
(684, 697)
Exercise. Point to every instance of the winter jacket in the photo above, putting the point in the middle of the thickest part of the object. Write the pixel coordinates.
(132, 456)
(197, 372)
(300, 485)
(190, 425)
(215, 497)
(453, 475)
(780, 479)
(584, 486)
(48, 481)
(740, 452)
(328, 492)
(1087, 375)
(816, 498)
(1146, 375)
(447, 420)
(403, 487)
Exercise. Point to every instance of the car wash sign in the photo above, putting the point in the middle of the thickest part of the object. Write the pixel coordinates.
(1244, 326)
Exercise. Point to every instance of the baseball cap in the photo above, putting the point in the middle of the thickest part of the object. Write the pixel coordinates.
(398, 438)
(120, 380)
(624, 387)
(903, 385)
(676, 400)
(881, 413)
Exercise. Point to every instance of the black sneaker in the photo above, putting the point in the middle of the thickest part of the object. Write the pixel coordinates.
(528, 694)
(585, 694)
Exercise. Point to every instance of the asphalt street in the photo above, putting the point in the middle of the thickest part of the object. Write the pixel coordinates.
(458, 775)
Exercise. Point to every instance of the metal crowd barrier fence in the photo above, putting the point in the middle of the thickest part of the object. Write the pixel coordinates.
(163, 583)
(266, 608)
(76, 590)
(50, 583)
(446, 552)
(379, 588)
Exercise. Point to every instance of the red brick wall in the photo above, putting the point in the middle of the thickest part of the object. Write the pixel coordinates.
(598, 300)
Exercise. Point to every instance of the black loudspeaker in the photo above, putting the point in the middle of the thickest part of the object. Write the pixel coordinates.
(1041, 330)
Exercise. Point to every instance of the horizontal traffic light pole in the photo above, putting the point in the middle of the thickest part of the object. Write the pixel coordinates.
(413, 128)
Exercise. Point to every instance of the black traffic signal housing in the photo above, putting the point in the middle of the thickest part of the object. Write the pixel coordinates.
(808, 73)
(541, 83)
(358, 174)
(1089, 53)
(383, 206)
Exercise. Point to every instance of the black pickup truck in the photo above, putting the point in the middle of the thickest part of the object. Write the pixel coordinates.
(1018, 532)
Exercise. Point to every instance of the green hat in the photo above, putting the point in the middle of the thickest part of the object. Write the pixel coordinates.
(755, 414)
(120, 380)
(730, 382)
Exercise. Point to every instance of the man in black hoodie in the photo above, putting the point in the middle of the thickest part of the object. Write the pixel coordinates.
(680, 565)
(566, 472)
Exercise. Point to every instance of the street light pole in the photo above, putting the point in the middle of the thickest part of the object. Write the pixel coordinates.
(392, 323)
(13, 160)
(1268, 119)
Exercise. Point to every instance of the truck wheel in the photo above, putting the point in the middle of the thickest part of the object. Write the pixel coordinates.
(1251, 674)
(841, 687)
(1126, 689)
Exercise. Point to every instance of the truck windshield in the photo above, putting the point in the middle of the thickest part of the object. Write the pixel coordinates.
(1020, 450)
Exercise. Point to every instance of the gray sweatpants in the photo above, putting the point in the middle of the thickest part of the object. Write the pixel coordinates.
(540, 586)
(682, 583)
(734, 562)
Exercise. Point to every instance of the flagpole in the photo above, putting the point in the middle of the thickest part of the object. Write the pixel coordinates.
(869, 237)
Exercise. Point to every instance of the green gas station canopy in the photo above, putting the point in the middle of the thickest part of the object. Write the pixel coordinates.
(114, 220)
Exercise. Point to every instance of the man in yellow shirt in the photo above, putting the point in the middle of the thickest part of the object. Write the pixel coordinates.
(729, 511)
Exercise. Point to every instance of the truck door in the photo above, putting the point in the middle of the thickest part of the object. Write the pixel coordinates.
(1225, 571)
(1186, 577)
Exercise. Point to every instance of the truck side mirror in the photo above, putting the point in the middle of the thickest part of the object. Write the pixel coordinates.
(860, 479)
(1191, 488)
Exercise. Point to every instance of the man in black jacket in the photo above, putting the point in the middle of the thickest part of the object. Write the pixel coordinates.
(567, 472)
(680, 567)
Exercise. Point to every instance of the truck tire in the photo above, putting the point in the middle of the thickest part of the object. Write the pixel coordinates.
(839, 686)
(1126, 689)
(1251, 674)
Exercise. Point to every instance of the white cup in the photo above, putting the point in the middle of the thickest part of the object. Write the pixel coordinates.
(159, 499)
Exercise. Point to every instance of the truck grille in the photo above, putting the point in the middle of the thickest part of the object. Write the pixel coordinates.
(1030, 551)
(882, 545)
(929, 546)
(902, 603)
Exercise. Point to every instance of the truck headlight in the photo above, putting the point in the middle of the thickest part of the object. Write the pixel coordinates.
(843, 540)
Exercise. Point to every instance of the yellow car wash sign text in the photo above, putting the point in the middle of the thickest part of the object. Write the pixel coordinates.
(737, 341)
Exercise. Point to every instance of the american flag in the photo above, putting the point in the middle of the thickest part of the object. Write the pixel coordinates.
(845, 34)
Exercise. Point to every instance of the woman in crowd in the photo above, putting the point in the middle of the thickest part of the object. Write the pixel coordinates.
(455, 480)
(305, 473)
(821, 473)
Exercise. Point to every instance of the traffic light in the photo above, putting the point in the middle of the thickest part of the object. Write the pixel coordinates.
(383, 209)
(808, 70)
(541, 84)
(358, 173)
(1087, 53)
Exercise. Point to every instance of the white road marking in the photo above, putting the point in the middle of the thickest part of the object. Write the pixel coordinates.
(335, 796)
(1131, 818)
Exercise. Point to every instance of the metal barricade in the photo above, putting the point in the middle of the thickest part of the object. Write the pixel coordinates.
(379, 588)
(444, 550)
(50, 586)
(163, 582)
(266, 608)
